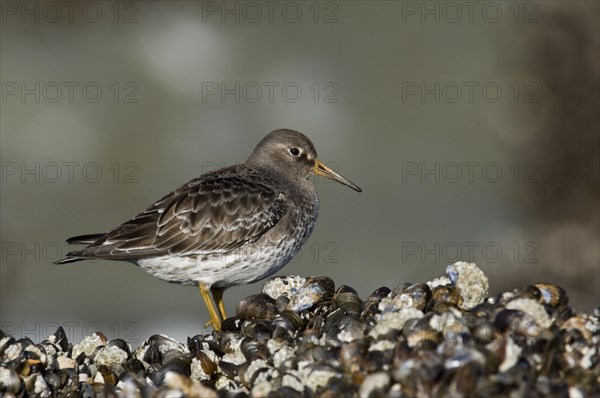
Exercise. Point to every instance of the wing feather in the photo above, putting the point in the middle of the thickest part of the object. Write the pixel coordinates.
(217, 212)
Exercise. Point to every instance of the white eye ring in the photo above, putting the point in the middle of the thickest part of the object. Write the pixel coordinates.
(295, 151)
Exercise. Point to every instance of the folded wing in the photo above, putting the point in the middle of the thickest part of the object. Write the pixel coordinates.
(215, 213)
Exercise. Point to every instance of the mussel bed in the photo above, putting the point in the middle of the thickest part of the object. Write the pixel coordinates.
(305, 337)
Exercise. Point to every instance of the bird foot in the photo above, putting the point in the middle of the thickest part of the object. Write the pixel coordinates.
(215, 325)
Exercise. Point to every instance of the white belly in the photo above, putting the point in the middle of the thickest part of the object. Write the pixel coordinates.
(243, 266)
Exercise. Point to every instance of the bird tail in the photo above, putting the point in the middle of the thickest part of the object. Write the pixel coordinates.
(75, 256)
(87, 239)
(69, 258)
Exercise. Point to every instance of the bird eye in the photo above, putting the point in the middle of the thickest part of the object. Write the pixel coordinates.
(295, 151)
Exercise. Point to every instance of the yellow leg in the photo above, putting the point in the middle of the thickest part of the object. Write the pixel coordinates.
(215, 321)
(218, 296)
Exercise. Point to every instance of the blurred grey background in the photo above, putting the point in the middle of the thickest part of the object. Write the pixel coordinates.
(473, 131)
